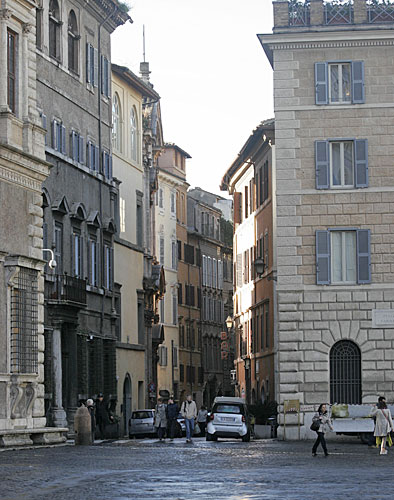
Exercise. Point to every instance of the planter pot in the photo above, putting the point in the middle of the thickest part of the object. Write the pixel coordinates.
(262, 431)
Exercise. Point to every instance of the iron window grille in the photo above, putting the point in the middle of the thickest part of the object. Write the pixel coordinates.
(345, 373)
(24, 323)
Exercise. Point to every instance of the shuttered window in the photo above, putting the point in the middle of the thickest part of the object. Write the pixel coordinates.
(58, 136)
(341, 163)
(339, 82)
(343, 256)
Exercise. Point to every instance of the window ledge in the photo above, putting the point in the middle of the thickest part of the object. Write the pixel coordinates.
(95, 289)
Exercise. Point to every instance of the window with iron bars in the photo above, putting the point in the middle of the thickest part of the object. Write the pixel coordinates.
(24, 323)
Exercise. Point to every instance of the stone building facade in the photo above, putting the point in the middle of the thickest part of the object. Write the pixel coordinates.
(23, 169)
(333, 92)
(80, 202)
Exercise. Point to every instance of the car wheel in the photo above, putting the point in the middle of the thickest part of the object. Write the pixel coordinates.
(210, 437)
(246, 438)
(365, 437)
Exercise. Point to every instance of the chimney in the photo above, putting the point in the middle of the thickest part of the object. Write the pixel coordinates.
(144, 71)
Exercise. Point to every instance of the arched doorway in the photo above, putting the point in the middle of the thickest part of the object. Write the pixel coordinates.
(126, 403)
(345, 373)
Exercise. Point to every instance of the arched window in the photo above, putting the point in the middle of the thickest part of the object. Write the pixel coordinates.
(133, 135)
(73, 39)
(345, 373)
(116, 123)
(54, 29)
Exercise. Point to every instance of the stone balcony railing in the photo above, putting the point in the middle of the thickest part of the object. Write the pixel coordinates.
(306, 13)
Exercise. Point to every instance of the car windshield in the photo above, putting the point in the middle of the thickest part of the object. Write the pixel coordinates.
(223, 408)
(141, 414)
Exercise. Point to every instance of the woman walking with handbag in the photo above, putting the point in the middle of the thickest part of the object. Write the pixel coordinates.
(320, 422)
(383, 425)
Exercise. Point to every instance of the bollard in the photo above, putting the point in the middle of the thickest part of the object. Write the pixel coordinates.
(82, 426)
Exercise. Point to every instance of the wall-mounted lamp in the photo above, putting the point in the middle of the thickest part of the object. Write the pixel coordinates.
(259, 266)
(52, 263)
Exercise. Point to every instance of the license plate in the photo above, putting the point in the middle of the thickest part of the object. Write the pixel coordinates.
(227, 419)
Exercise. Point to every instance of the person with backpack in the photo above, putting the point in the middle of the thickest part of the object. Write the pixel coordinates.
(320, 423)
(189, 413)
(383, 425)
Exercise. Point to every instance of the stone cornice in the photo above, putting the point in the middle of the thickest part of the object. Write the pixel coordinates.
(21, 169)
(330, 44)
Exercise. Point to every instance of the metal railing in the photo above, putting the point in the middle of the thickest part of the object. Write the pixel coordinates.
(299, 13)
(68, 289)
(338, 13)
(380, 12)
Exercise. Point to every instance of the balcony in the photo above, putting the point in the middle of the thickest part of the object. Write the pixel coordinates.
(67, 290)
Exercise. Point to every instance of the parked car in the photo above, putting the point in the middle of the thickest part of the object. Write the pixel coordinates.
(181, 427)
(229, 418)
(142, 423)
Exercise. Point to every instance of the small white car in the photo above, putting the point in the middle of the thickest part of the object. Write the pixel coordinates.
(142, 423)
(229, 418)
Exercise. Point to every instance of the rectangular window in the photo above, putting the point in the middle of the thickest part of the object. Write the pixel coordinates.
(11, 69)
(105, 76)
(76, 147)
(108, 266)
(180, 293)
(77, 253)
(341, 163)
(343, 257)
(163, 355)
(182, 335)
(189, 253)
(58, 250)
(339, 82)
(174, 255)
(93, 262)
(181, 373)
(161, 250)
(58, 136)
(174, 309)
(140, 225)
(246, 204)
(161, 198)
(141, 322)
(24, 322)
(92, 156)
(107, 164)
(174, 357)
(265, 181)
(179, 243)
(91, 65)
(173, 206)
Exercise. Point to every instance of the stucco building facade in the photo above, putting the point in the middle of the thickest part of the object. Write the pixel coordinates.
(333, 70)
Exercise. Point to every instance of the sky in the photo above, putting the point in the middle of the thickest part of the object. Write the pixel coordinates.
(210, 70)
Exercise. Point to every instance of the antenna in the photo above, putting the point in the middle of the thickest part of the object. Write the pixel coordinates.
(143, 41)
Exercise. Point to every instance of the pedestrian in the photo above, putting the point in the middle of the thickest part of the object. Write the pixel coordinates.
(202, 420)
(103, 417)
(189, 413)
(324, 421)
(161, 419)
(172, 414)
(383, 425)
(90, 407)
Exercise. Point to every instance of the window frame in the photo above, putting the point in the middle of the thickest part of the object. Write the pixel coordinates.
(116, 123)
(342, 164)
(73, 38)
(54, 23)
(12, 72)
(134, 149)
(340, 65)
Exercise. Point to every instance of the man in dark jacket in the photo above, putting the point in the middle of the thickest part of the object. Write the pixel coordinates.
(102, 415)
(172, 414)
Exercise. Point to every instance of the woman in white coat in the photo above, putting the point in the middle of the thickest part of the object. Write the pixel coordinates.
(383, 424)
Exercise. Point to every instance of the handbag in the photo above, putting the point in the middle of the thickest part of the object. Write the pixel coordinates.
(197, 429)
(315, 426)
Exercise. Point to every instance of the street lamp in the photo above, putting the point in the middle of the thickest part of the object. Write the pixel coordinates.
(229, 322)
(259, 266)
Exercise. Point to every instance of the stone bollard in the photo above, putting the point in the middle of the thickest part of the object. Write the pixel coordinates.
(82, 426)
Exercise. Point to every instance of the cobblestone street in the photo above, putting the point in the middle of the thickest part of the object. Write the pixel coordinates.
(224, 470)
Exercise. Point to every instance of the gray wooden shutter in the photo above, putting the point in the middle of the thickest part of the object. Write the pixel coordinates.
(110, 167)
(358, 93)
(80, 149)
(96, 67)
(321, 82)
(361, 162)
(322, 162)
(102, 84)
(63, 139)
(74, 145)
(363, 256)
(323, 271)
(96, 159)
(54, 130)
(108, 78)
(88, 63)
